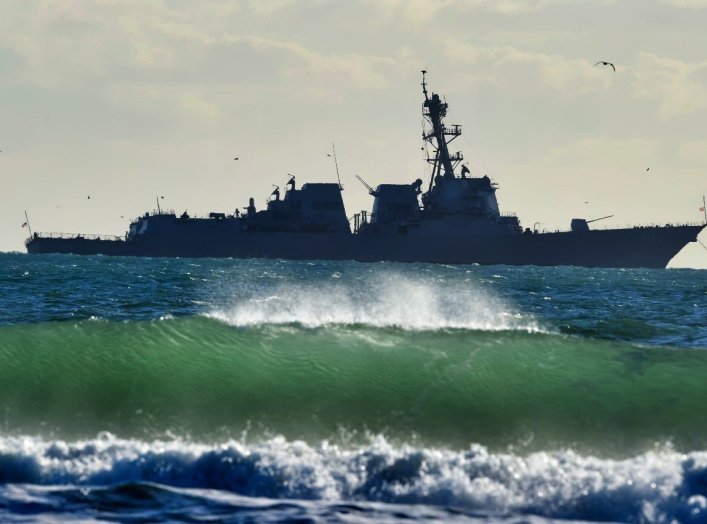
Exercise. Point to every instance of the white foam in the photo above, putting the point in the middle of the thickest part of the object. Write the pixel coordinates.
(384, 300)
(660, 485)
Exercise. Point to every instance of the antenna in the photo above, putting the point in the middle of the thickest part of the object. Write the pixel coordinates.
(338, 178)
(371, 191)
(275, 193)
(157, 199)
(424, 84)
(27, 222)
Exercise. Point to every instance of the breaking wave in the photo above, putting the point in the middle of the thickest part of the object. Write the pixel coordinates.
(657, 486)
(386, 300)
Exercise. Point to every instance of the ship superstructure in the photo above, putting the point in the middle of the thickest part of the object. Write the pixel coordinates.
(454, 203)
(452, 218)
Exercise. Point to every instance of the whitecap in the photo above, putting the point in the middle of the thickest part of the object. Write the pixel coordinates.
(383, 300)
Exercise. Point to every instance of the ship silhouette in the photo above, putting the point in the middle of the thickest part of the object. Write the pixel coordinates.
(453, 218)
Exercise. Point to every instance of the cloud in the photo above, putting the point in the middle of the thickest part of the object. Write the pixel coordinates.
(419, 12)
(591, 152)
(507, 7)
(415, 12)
(677, 87)
(268, 7)
(505, 65)
(186, 103)
(693, 153)
(344, 70)
(686, 4)
(70, 43)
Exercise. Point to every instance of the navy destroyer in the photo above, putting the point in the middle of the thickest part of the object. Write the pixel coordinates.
(452, 218)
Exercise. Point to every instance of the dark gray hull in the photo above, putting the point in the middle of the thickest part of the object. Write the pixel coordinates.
(649, 247)
(457, 220)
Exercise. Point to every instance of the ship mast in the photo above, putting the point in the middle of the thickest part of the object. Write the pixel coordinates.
(29, 228)
(434, 110)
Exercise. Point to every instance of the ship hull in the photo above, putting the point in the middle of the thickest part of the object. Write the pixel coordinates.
(649, 247)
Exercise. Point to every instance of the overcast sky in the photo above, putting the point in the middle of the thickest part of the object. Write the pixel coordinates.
(124, 100)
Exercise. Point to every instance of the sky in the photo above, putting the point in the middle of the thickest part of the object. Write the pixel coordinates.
(127, 100)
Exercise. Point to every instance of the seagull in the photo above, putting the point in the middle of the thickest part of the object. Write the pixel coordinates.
(606, 64)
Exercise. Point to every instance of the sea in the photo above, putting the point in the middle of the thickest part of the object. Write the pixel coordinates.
(217, 390)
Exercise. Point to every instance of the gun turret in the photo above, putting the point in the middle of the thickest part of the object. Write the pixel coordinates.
(582, 224)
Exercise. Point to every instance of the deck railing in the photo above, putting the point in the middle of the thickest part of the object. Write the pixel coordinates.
(170, 212)
(625, 226)
(76, 236)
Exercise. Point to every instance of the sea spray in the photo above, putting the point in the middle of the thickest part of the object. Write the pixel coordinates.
(663, 308)
(386, 299)
(266, 389)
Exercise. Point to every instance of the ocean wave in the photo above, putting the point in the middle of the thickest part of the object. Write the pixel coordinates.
(661, 485)
(660, 308)
(383, 300)
(200, 377)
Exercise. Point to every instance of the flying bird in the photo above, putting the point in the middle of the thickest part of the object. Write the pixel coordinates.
(606, 64)
(648, 169)
(235, 158)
